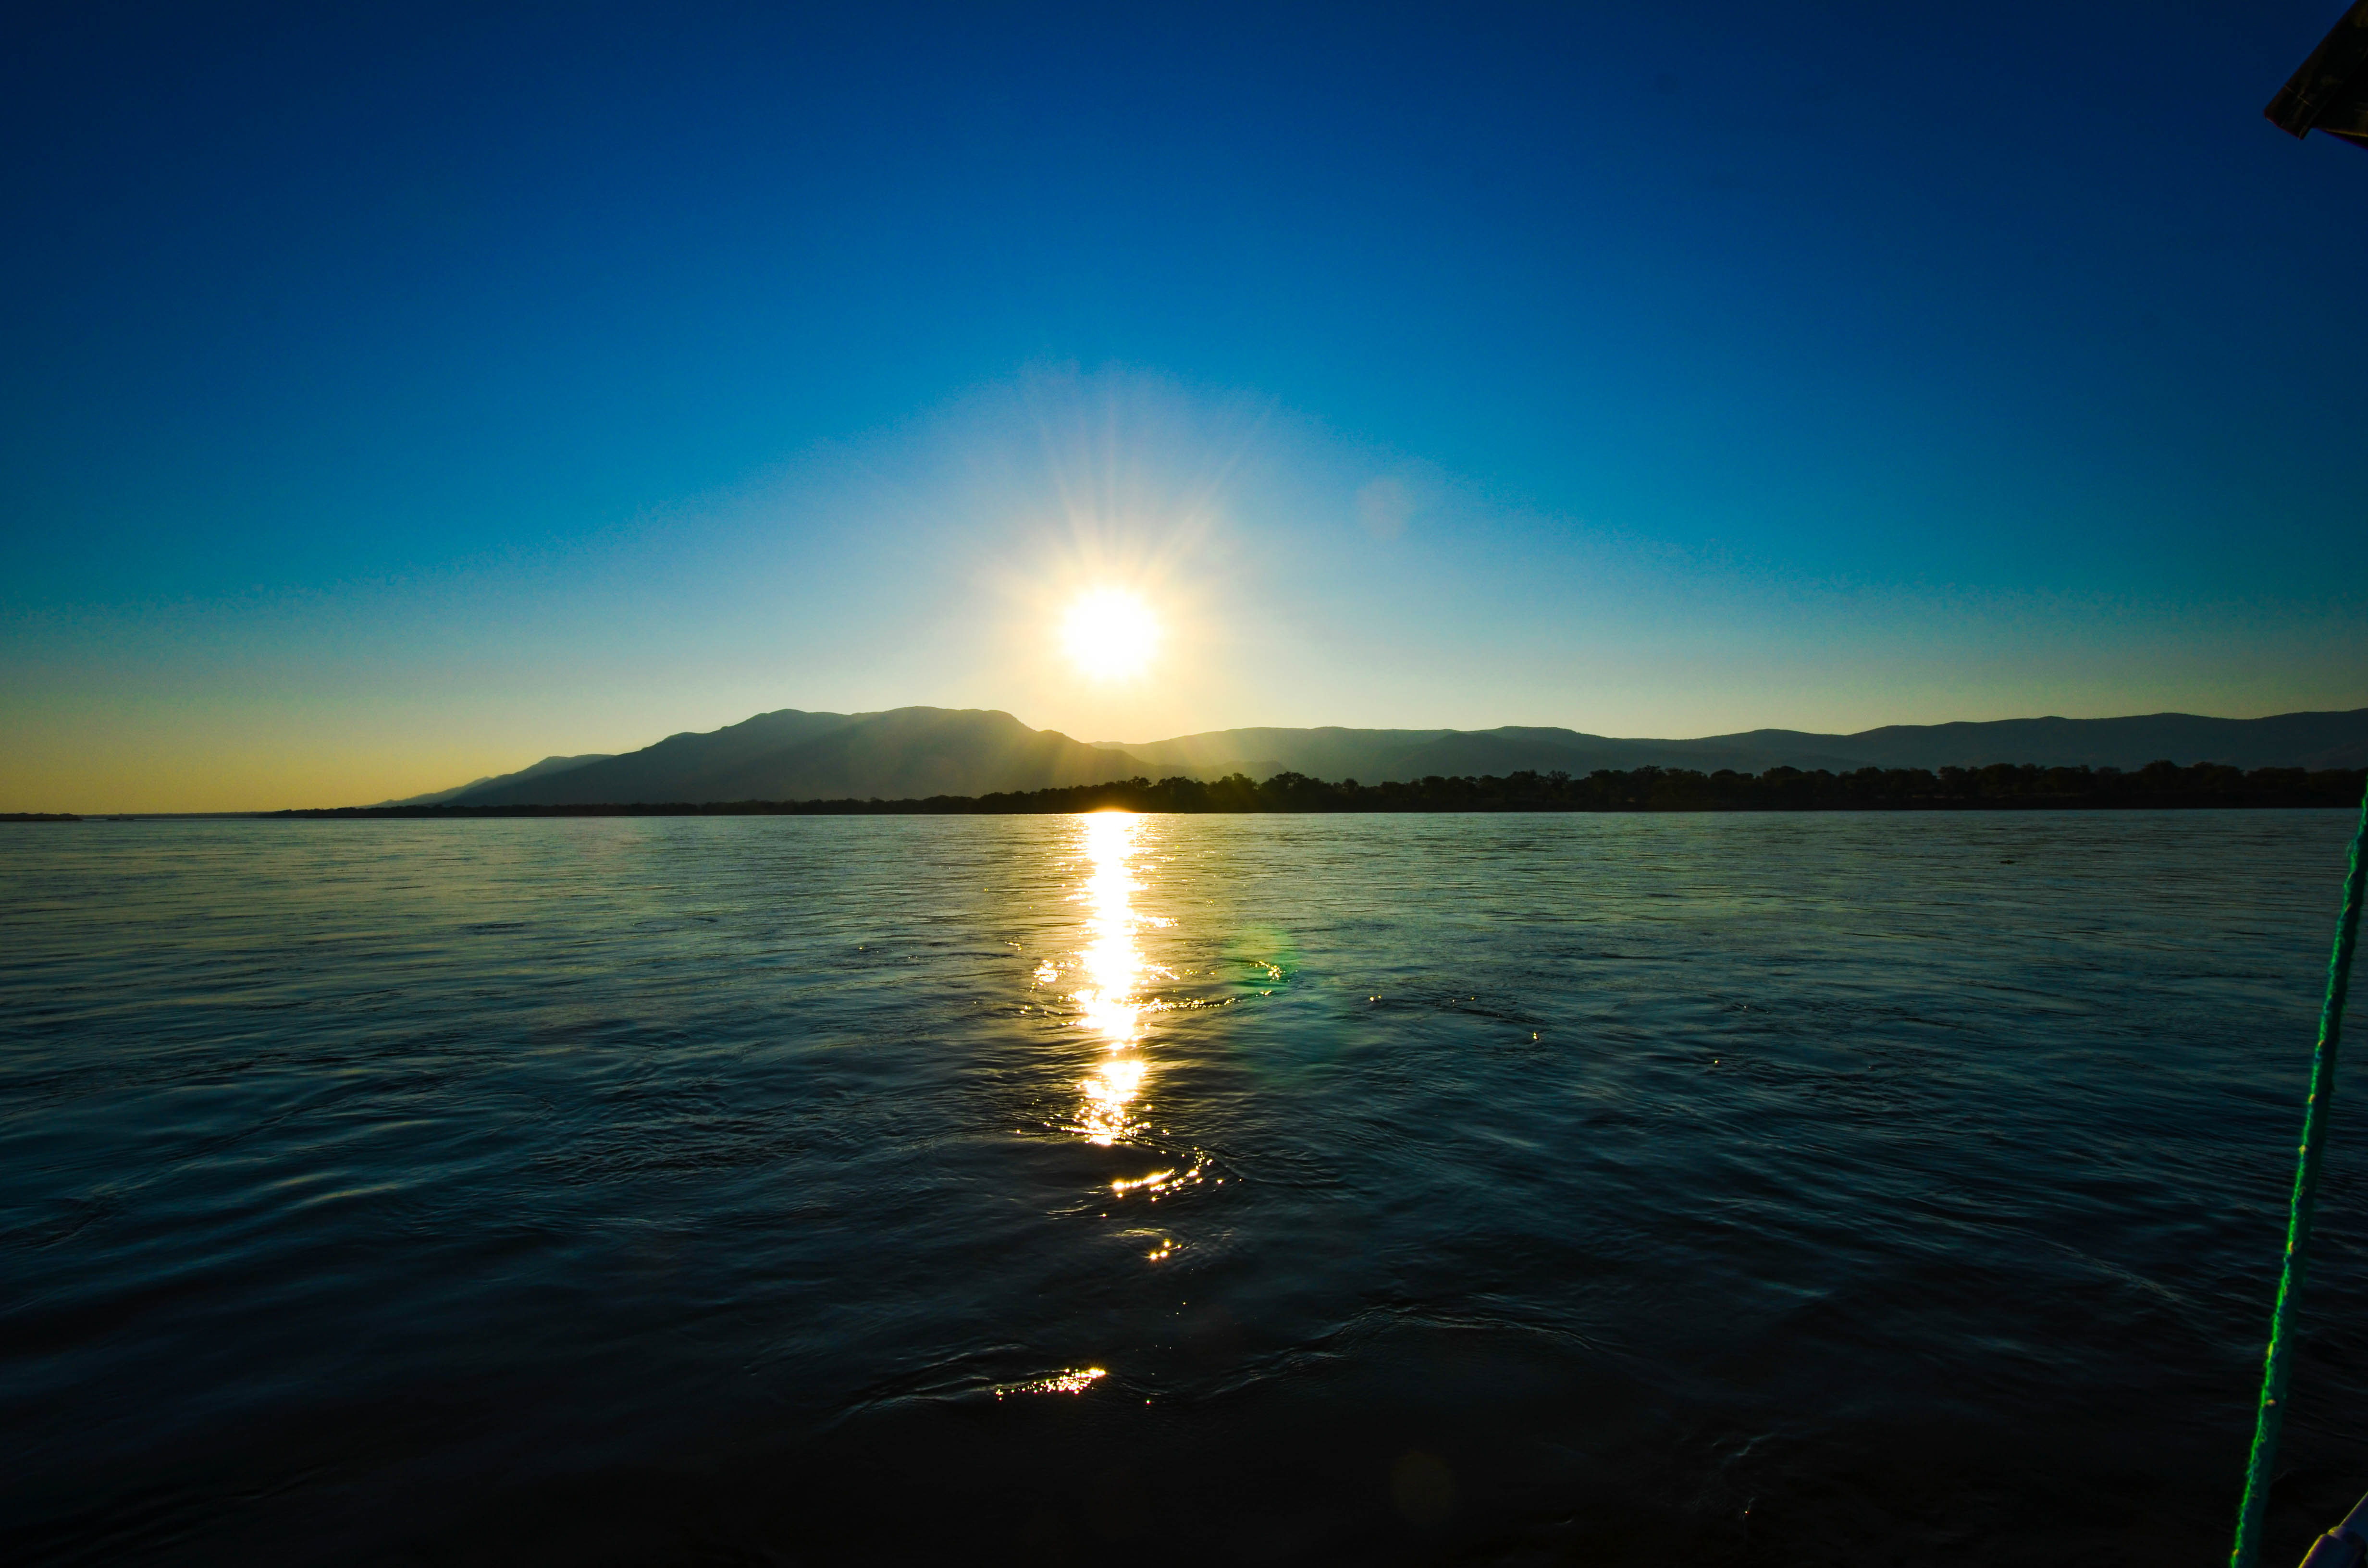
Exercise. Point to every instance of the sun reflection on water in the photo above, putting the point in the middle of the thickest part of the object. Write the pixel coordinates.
(1078, 1380)
(1111, 1005)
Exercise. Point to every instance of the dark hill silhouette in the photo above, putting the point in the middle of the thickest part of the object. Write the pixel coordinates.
(794, 756)
(2283, 740)
(548, 764)
(1384, 756)
(678, 768)
(920, 752)
(1328, 753)
(1518, 747)
(2287, 740)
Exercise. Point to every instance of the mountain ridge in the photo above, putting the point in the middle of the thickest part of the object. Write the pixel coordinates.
(548, 764)
(910, 753)
(790, 754)
(2310, 739)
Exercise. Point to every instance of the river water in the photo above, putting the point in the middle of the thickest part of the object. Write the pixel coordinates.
(1733, 1189)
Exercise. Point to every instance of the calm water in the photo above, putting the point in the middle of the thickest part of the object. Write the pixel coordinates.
(1769, 1189)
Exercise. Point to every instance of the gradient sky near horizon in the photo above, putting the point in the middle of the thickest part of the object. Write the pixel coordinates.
(394, 395)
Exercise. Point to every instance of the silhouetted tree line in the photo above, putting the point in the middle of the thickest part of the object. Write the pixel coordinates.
(1998, 786)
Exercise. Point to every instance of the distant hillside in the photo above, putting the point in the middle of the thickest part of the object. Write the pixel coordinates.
(1378, 756)
(913, 753)
(2284, 740)
(1329, 752)
(794, 755)
(548, 764)
(2287, 740)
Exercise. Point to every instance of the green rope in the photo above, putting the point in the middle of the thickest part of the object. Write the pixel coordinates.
(2275, 1365)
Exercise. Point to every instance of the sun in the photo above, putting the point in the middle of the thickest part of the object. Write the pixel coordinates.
(1110, 633)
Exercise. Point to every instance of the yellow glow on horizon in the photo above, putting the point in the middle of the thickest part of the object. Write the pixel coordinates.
(1110, 634)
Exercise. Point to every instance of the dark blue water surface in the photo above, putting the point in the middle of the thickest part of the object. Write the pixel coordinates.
(1742, 1188)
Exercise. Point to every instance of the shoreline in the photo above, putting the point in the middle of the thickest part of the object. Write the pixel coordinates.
(2000, 787)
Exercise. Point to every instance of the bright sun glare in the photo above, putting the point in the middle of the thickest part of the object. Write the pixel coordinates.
(1110, 633)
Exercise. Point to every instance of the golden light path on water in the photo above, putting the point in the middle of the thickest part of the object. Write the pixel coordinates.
(1109, 1004)
(1112, 1006)
(1112, 1009)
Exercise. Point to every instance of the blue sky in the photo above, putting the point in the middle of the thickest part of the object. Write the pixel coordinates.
(393, 395)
